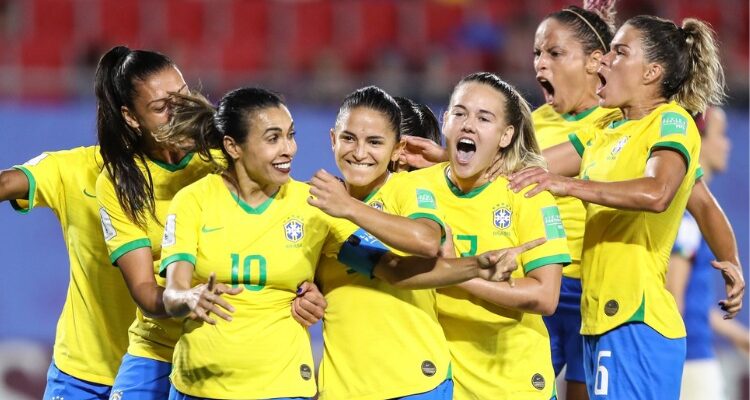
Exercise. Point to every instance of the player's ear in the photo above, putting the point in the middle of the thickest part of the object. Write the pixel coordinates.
(232, 148)
(333, 138)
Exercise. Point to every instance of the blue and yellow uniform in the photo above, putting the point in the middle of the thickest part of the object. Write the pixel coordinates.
(565, 324)
(91, 335)
(151, 340)
(632, 327)
(497, 352)
(269, 250)
(381, 342)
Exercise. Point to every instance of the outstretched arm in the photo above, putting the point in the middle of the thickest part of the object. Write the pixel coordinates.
(13, 185)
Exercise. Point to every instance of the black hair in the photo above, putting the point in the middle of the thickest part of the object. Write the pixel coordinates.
(374, 98)
(418, 120)
(594, 29)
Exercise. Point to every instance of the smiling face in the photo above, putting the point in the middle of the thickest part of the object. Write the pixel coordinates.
(364, 143)
(567, 75)
(268, 150)
(475, 128)
(624, 71)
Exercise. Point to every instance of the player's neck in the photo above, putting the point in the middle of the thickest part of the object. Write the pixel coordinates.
(251, 192)
(361, 192)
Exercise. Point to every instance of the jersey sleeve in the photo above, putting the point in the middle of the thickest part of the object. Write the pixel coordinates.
(582, 138)
(120, 233)
(180, 241)
(46, 187)
(539, 217)
(674, 131)
(413, 198)
(688, 238)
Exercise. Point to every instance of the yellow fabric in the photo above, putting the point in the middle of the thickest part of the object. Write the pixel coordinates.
(91, 335)
(552, 129)
(378, 337)
(497, 352)
(626, 253)
(269, 250)
(149, 338)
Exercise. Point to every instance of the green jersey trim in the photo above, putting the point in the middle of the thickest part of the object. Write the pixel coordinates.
(699, 173)
(127, 247)
(173, 259)
(175, 167)
(250, 209)
(640, 313)
(577, 144)
(676, 146)
(431, 217)
(581, 115)
(371, 195)
(32, 191)
(618, 123)
(456, 191)
(563, 259)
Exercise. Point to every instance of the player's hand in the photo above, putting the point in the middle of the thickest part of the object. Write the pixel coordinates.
(309, 305)
(447, 249)
(735, 287)
(206, 298)
(544, 180)
(498, 265)
(421, 153)
(329, 194)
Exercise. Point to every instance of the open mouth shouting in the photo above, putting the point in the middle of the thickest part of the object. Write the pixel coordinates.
(547, 89)
(465, 149)
(602, 83)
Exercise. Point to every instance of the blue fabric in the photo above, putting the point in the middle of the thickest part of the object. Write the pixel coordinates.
(63, 386)
(141, 378)
(564, 327)
(633, 361)
(361, 252)
(699, 298)
(443, 391)
(175, 394)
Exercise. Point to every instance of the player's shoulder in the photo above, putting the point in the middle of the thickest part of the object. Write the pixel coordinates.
(429, 173)
(545, 113)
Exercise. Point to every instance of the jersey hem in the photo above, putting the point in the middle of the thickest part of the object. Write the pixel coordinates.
(84, 376)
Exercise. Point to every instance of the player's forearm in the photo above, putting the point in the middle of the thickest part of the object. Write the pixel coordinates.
(713, 223)
(401, 233)
(150, 299)
(528, 294)
(642, 194)
(13, 185)
(425, 273)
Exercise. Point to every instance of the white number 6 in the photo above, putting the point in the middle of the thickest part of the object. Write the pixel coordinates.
(601, 384)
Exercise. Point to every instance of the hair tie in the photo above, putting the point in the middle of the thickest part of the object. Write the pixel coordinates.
(604, 46)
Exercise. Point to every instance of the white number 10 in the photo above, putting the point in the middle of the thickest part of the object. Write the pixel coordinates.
(601, 384)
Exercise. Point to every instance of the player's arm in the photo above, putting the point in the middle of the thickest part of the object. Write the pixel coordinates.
(420, 236)
(180, 299)
(137, 267)
(717, 231)
(538, 292)
(678, 276)
(653, 192)
(13, 185)
(733, 331)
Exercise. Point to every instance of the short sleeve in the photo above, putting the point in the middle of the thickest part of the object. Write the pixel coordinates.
(120, 233)
(539, 217)
(688, 238)
(181, 230)
(582, 138)
(413, 198)
(46, 187)
(674, 131)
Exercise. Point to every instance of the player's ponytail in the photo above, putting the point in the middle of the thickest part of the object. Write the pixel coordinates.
(192, 125)
(689, 56)
(120, 144)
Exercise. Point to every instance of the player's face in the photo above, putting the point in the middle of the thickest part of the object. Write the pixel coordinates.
(475, 129)
(269, 147)
(364, 144)
(623, 70)
(560, 65)
(151, 103)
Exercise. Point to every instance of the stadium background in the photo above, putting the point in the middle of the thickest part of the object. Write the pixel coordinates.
(312, 51)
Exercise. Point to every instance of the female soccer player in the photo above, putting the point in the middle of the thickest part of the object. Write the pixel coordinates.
(568, 48)
(91, 333)
(140, 177)
(497, 339)
(636, 177)
(417, 120)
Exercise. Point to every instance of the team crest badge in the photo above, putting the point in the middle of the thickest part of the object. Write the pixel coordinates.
(378, 205)
(501, 217)
(618, 147)
(294, 230)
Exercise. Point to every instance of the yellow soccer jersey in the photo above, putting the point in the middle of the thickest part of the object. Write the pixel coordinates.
(497, 353)
(625, 253)
(269, 250)
(150, 338)
(552, 129)
(91, 335)
(381, 342)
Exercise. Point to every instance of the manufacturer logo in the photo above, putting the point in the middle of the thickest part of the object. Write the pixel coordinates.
(305, 372)
(425, 199)
(428, 368)
(538, 381)
(294, 230)
(611, 308)
(206, 229)
(501, 217)
(87, 194)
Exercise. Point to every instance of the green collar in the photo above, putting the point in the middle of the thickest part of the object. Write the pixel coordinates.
(250, 209)
(618, 123)
(581, 115)
(175, 167)
(457, 191)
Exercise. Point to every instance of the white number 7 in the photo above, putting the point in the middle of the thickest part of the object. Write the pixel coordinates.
(601, 384)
